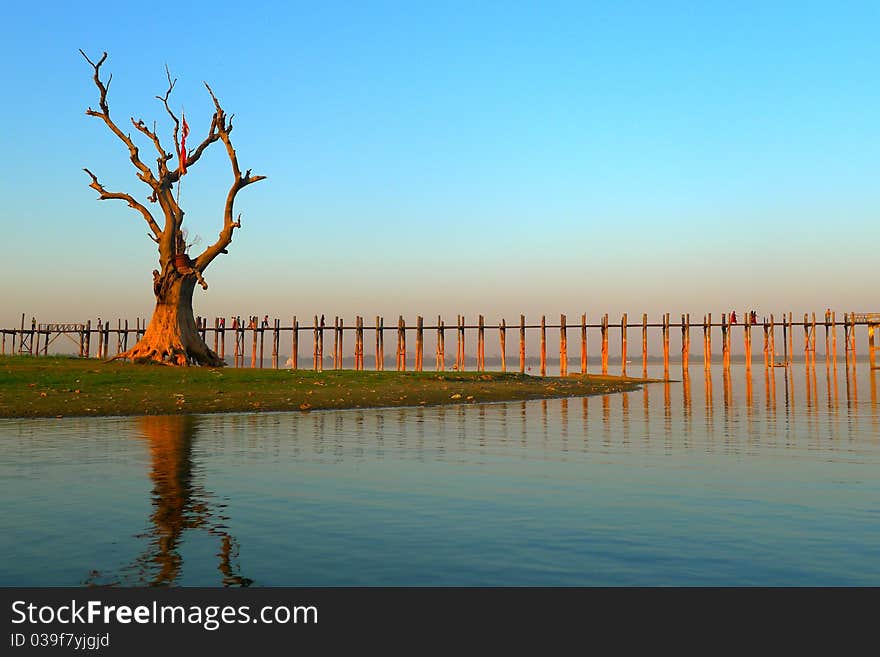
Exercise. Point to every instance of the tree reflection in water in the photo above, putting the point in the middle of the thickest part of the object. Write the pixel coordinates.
(180, 503)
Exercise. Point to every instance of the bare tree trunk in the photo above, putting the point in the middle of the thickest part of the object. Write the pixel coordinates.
(172, 337)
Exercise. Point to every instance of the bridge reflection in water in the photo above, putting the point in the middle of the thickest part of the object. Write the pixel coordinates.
(800, 411)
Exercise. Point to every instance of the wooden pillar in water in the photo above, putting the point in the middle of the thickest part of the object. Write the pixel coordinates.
(336, 336)
(401, 344)
(623, 345)
(666, 345)
(772, 340)
(709, 343)
(563, 347)
(685, 342)
(315, 350)
(339, 356)
(584, 343)
(645, 345)
(806, 339)
(725, 342)
(747, 342)
(459, 344)
(380, 343)
(604, 330)
(481, 344)
(294, 344)
(705, 344)
(543, 346)
(813, 338)
(871, 348)
(834, 337)
(766, 345)
(852, 334)
(420, 345)
(790, 338)
(254, 328)
(441, 345)
(522, 344)
(502, 339)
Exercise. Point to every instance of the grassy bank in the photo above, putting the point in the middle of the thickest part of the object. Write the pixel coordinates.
(59, 386)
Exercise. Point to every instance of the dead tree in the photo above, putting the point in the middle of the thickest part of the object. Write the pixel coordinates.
(172, 336)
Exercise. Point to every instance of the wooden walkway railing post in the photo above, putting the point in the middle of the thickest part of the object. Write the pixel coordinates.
(481, 345)
(441, 345)
(747, 342)
(725, 343)
(604, 329)
(419, 343)
(584, 343)
(543, 345)
(502, 340)
(563, 347)
(666, 346)
(294, 344)
(315, 349)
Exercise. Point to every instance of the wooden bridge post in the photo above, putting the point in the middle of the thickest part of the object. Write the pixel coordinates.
(725, 342)
(441, 345)
(294, 344)
(709, 342)
(339, 364)
(315, 349)
(401, 344)
(522, 344)
(623, 345)
(481, 344)
(459, 344)
(502, 339)
(772, 340)
(563, 347)
(255, 327)
(335, 342)
(852, 334)
(806, 338)
(873, 365)
(584, 343)
(665, 322)
(813, 338)
(645, 344)
(276, 341)
(543, 346)
(419, 343)
(686, 360)
(766, 345)
(604, 330)
(834, 337)
(380, 343)
(747, 341)
(790, 338)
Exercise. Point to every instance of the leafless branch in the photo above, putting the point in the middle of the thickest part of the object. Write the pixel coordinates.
(223, 128)
(145, 174)
(164, 100)
(132, 203)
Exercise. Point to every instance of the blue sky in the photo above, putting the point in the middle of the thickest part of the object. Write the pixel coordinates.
(429, 158)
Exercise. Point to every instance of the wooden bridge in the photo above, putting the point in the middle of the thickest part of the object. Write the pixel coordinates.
(248, 339)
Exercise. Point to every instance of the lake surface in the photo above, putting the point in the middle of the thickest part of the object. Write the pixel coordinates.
(767, 479)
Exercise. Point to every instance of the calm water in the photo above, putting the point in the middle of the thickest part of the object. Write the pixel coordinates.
(723, 480)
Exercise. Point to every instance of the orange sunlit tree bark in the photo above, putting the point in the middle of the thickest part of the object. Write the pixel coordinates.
(172, 337)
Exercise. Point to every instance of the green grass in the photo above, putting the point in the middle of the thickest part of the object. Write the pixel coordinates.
(63, 386)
